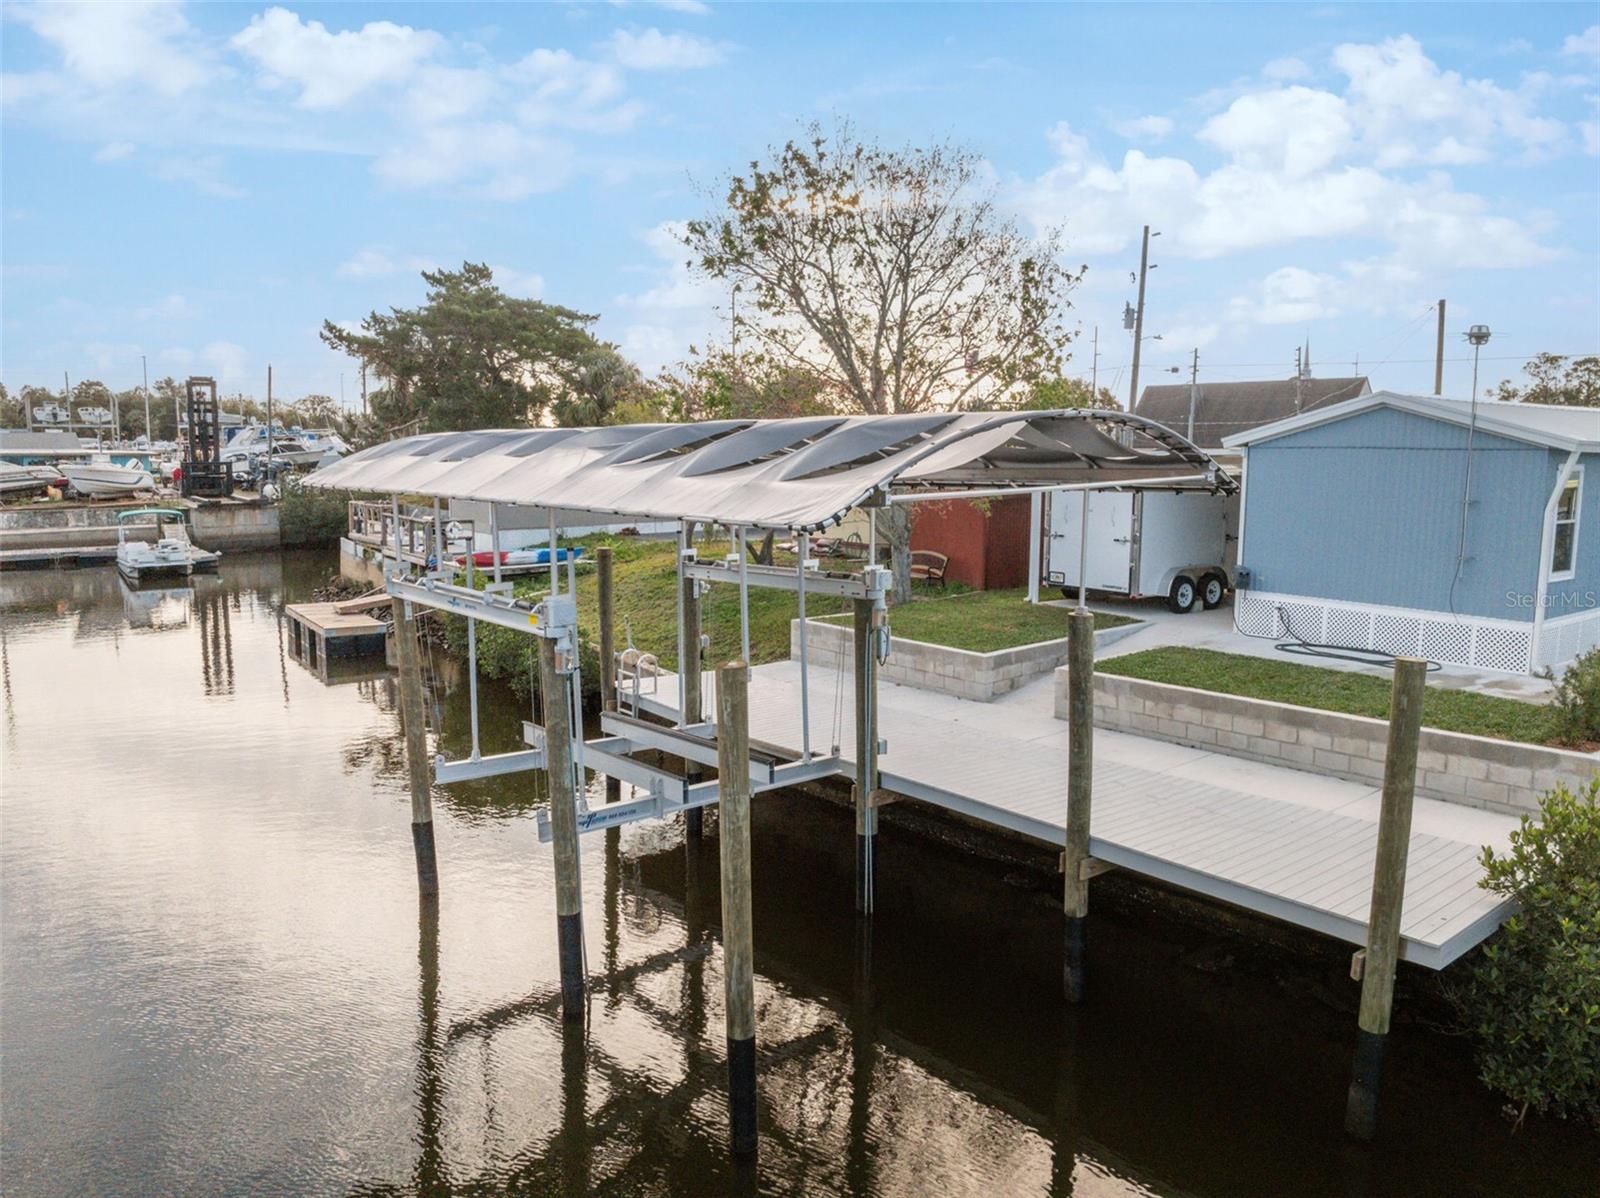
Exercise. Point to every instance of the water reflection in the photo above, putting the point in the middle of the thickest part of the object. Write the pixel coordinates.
(216, 976)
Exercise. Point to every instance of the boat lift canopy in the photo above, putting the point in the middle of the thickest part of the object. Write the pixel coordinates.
(802, 475)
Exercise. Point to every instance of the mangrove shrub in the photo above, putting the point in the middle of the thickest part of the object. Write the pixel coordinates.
(1533, 1002)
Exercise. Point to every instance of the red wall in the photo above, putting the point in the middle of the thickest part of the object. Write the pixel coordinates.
(986, 540)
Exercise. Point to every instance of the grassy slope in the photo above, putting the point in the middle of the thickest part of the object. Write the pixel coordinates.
(1333, 690)
(985, 621)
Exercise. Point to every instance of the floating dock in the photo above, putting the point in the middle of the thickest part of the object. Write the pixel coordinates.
(320, 633)
(1292, 845)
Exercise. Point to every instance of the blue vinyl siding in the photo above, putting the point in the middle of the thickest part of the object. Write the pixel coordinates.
(1368, 509)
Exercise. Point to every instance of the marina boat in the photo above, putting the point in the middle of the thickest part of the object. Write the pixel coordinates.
(97, 479)
(170, 553)
(94, 415)
(52, 413)
(287, 448)
(19, 480)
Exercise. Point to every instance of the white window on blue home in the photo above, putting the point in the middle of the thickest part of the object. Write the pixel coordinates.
(1564, 548)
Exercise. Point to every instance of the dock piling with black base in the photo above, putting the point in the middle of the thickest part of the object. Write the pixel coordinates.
(1080, 787)
(564, 830)
(1379, 961)
(733, 829)
(866, 688)
(416, 734)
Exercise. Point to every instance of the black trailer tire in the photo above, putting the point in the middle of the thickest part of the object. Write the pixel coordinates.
(1213, 589)
(1182, 595)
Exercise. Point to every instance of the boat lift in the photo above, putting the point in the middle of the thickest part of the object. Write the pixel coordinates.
(800, 476)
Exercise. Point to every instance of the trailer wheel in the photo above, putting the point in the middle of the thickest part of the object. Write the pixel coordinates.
(1182, 595)
(1212, 589)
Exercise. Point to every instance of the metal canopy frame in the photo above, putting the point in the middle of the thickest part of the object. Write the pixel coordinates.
(797, 475)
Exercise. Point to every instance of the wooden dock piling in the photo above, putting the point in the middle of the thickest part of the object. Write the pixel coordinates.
(1080, 786)
(1388, 893)
(563, 829)
(733, 826)
(693, 707)
(866, 690)
(608, 648)
(416, 733)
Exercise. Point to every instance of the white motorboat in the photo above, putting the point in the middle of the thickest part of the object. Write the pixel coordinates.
(19, 480)
(52, 413)
(170, 553)
(96, 479)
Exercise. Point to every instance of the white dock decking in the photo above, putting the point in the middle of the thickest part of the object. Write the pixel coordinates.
(1292, 845)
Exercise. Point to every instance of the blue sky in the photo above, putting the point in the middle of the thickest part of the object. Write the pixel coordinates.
(204, 184)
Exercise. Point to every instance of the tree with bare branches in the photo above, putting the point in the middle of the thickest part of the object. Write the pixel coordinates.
(889, 274)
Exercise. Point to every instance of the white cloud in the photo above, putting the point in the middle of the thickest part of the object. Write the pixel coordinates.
(171, 307)
(680, 310)
(228, 362)
(1305, 164)
(1586, 43)
(114, 151)
(376, 264)
(1295, 130)
(1288, 295)
(555, 87)
(653, 50)
(145, 43)
(332, 68)
(1403, 103)
(1144, 128)
(202, 172)
(1283, 70)
(494, 160)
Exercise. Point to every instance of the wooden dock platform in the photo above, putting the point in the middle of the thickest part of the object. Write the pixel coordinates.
(1284, 843)
(319, 632)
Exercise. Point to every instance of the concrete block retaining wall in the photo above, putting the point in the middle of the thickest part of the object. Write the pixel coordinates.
(1473, 770)
(929, 667)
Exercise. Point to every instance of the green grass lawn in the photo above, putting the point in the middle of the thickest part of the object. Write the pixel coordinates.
(1334, 690)
(647, 603)
(985, 621)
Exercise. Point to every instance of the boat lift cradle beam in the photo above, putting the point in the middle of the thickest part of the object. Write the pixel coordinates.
(610, 754)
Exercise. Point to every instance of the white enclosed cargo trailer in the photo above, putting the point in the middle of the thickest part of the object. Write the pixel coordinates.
(1173, 544)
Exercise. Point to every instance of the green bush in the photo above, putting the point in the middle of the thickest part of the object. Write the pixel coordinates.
(1533, 1002)
(1576, 702)
(308, 516)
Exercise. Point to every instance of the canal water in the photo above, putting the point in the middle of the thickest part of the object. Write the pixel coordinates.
(217, 978)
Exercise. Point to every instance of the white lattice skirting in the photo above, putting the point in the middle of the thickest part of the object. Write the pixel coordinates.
(1565, 637)
(1457, 640)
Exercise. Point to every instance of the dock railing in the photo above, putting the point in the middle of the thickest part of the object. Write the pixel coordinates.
(421, 532)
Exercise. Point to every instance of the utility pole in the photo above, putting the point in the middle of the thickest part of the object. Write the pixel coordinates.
(1194, 388)
(1138, 319)
(1299, 375)
(1438, 355)
(1094, 367)
(149, 433)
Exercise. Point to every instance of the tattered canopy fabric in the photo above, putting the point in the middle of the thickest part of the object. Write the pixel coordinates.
(801, 474)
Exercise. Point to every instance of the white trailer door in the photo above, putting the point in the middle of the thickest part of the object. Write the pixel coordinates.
(1109, 553)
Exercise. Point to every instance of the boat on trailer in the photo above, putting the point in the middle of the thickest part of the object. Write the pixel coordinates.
(100, 478)
(170, 553)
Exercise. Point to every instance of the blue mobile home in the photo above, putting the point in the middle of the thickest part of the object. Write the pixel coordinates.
(1469, 534)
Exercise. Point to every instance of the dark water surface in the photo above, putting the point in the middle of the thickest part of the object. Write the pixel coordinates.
(216, 978)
